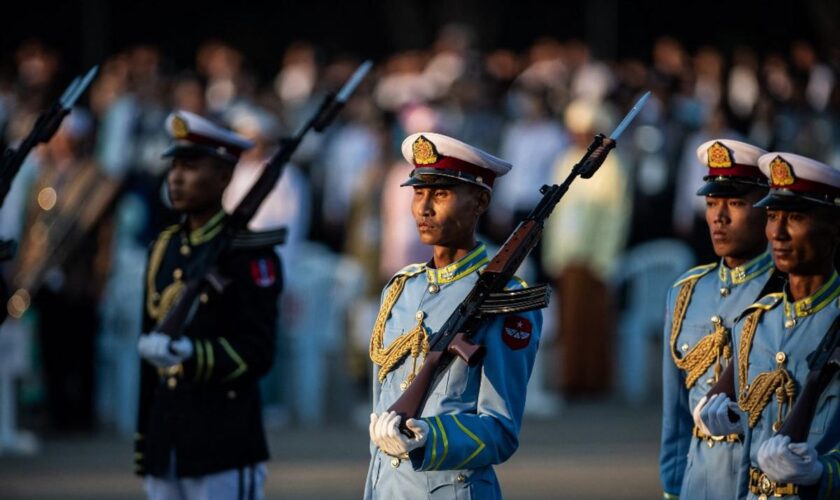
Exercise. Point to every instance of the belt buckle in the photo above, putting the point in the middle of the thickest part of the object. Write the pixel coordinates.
(765, 485)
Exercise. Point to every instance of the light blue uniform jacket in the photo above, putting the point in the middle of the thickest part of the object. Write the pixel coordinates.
(688, 467)
(796, 330)
(474, 413)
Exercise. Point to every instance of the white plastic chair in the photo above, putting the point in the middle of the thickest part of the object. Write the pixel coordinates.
(647, 271)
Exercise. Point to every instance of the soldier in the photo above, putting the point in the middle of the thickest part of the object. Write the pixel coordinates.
(472, 416)
(701, 309)
(776, 335)
(200, 424)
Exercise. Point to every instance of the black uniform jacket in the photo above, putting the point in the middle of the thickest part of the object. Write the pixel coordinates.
(209, 414)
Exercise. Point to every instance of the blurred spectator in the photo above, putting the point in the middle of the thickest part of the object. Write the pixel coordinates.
(583, 240)
(62, 263)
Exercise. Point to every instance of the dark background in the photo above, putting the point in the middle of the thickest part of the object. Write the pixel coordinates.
(87, 31)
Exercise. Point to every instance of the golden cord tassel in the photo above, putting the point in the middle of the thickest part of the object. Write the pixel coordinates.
(414, 342)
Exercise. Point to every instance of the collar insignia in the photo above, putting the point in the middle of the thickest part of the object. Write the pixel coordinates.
(719, 156)
(424, 151)
(781, 173)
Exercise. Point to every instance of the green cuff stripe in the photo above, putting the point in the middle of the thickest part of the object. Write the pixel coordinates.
(242, 367)
(199, 360)
(434, 442)
(829, 475)
(670, 496)
(210, 359)
(445, 443)
(472, 436)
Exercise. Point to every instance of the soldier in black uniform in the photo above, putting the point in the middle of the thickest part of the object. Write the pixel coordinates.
(200, 432)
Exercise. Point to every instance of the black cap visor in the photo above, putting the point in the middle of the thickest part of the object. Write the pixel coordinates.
(729, 187)
(195, 150)
(784, 199)
(425, 177)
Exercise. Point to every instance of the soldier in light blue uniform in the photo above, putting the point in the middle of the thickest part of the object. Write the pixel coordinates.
(472, 417)
(701, 309)
(775, 335)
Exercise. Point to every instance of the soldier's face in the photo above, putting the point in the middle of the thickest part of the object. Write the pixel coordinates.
(196, 184)
(803, 243)
(447, 216)
(735, 227)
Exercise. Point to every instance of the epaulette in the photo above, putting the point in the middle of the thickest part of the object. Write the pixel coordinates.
(767, 302)
(695, 273)
(409, 270)
(165, 235)
(259, 239)
(516, 283)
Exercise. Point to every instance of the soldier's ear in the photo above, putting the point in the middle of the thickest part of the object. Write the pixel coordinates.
(482, 200)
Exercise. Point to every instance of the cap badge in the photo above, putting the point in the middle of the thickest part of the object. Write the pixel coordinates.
(179, 128)
(719, 156)
(781, 173)
(424, 151)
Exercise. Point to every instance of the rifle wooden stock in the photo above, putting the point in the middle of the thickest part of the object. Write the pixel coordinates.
(726, 385)
(823, 363)
(411, 402)
(180, 313)
(525, 235)
(798, 422)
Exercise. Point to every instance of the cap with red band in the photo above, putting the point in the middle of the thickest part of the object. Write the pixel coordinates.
(733, 167)
(194, 135)
(798, 182)
(442, 160)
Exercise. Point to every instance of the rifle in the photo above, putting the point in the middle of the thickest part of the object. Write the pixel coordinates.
(488, 296)
(10, 163)
(823, 363)
(45, 127)
(208, 274)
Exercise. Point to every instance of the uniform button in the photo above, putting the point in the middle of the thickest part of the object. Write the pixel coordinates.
(716, 319)
(420, 315)
(156, 297)
(461, 478)
(434, 288)
(395, 462)
(172, 382)
(177, 274)
(204, 298)
(724, 291)
(185, 250)
(710, 381)
(403, 385)
(231, 394)
(790, 323)
(780, 357)
(684, 347)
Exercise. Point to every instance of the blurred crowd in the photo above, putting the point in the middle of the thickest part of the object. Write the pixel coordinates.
(86, 206)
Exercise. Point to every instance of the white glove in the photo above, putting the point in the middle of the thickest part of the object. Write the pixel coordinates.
(385, 433)
(786, 462)
(160, 350)
(714, 416)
